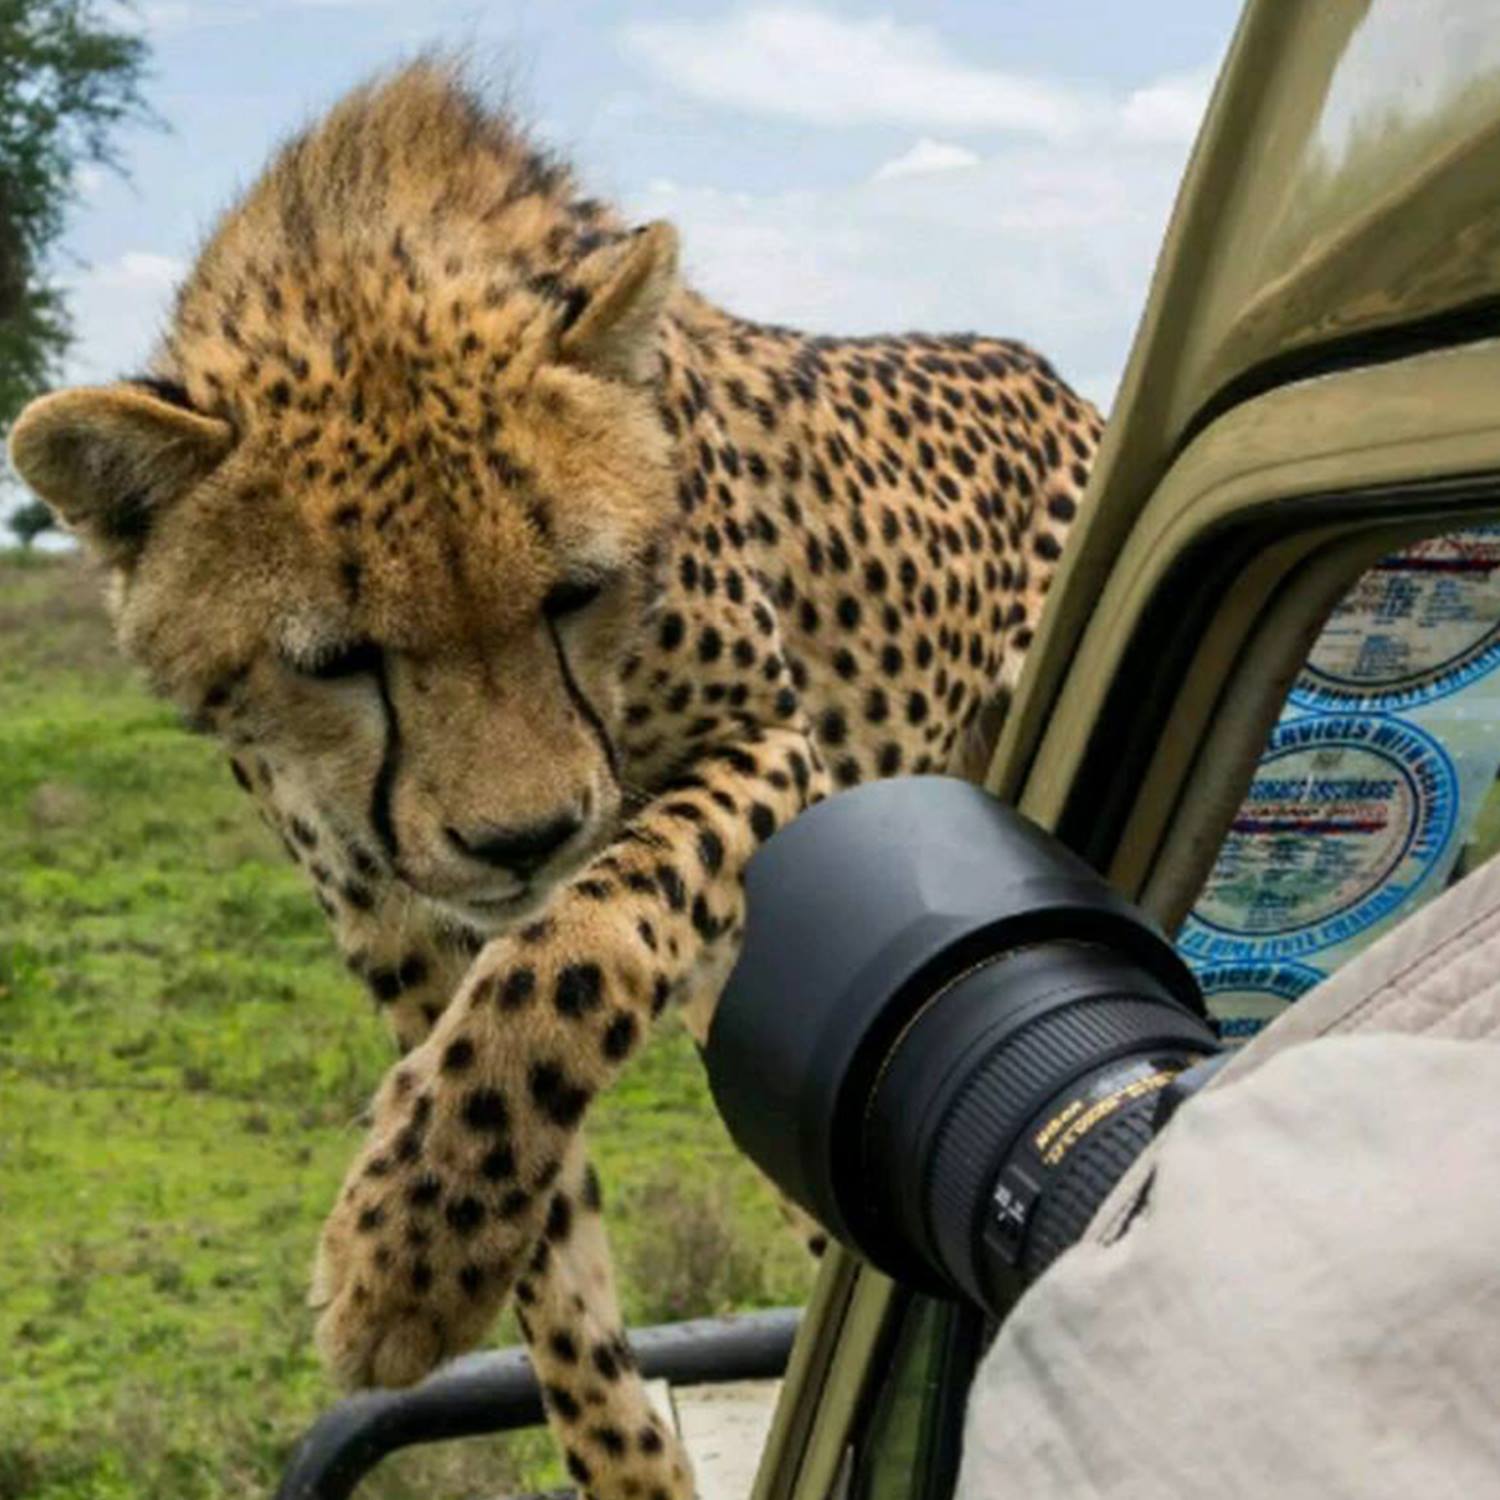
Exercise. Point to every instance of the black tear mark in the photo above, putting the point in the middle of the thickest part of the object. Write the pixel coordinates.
(381, 793)
(582, 704)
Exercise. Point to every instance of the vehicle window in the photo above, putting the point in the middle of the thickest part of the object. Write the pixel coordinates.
(1377, 787)
(909, 1447)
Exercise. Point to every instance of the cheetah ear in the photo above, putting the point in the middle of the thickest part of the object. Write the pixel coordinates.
(627, 287)
(107, 459)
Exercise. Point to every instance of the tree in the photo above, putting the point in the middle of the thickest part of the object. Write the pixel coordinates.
(68, 78)
(29, 520)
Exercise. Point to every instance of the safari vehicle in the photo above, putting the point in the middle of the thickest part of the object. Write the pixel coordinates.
(1264, 700)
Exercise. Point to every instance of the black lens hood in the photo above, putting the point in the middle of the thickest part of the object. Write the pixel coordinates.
(858, 912)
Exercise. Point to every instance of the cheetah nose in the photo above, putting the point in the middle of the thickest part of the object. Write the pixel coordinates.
(522, 851)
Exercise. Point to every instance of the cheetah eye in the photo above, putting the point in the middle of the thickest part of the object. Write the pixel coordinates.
(570, 596)
(344, 661)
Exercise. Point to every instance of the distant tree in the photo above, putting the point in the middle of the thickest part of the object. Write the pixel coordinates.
(29, 520)
(69, 75)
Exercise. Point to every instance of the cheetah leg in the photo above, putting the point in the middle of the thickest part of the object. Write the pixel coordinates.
(616, 1445)
(474, 1126)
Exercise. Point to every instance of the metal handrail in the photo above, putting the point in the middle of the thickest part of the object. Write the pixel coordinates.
(497, 1391)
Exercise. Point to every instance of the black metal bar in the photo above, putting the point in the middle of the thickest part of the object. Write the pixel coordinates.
(497, 1392)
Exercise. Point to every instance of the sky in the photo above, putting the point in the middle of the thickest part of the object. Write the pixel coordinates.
(1001, 166)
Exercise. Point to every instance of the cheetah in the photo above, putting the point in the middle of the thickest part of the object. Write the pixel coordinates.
(529, 594)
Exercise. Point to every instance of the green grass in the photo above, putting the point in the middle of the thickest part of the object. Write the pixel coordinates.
(181, 1062)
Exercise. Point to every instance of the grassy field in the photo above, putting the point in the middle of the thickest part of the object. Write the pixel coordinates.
(181, 1062)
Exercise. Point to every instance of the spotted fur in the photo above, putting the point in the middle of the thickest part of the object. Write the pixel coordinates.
(531, 593)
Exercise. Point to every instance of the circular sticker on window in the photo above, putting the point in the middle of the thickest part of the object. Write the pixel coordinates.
(1244, 997)
(1346, 817)
(1420, 624)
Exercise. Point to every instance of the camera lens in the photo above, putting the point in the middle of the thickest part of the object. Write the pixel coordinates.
(946, 1036)
(1010, 1106)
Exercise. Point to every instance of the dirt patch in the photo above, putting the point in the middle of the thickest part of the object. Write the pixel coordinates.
(57, 804)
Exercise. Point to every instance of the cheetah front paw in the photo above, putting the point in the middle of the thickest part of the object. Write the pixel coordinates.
(431, 1226)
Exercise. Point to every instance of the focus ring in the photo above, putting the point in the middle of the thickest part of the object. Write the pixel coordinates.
(1083, 1182)
(1009, 1086)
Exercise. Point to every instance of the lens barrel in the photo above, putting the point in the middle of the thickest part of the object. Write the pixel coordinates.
(1003, 1097)
(946, 1036)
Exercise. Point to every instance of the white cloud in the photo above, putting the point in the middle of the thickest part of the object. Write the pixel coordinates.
(1049, 237)
(927, 155)
(1171, 109)
(139, 269)
(1050, 244)
(806, 64)
(179, 15)
(119, 309)
(801, 63)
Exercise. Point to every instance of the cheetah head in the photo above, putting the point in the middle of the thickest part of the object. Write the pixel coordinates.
(385, 517)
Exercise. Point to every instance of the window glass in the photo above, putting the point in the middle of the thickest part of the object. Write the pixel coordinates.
(908, 1447)
(1376, 789)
